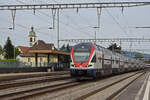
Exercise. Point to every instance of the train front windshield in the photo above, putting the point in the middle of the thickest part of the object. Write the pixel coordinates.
(82, 53)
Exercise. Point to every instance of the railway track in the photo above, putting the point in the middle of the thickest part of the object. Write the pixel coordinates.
(86, 96)
(84, 90)
(54, 88)
(31, 92)
(37, 91)
(16, 76)
(30, 81)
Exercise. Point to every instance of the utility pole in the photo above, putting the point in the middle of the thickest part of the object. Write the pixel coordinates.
(95, 34)
(58, 29)
(14, 49)
(95, 37)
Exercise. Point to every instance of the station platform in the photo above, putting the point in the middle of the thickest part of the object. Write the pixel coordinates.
(138, 90)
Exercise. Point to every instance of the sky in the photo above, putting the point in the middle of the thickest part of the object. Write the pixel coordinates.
(76, 25)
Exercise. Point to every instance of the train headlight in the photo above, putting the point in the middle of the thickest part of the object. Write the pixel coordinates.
(72, 65)
(89, 65)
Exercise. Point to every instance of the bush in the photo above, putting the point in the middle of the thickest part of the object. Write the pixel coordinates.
(14, 60)
(9, 62)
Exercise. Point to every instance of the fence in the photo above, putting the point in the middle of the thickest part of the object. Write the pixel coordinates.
(16, 66)
(11, 64)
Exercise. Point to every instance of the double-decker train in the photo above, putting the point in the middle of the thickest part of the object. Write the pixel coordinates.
(91, 60)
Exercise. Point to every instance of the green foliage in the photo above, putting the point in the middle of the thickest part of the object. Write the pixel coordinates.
(65, 48)
(15, 60)
(115, 48)
(68, 48)
(9, 63)
(1, 49)
(8, 49)
(65, 58)
(139, 56)
(17, 52)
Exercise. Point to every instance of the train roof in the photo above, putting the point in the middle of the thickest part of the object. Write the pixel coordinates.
(105, 50)
(85, 43)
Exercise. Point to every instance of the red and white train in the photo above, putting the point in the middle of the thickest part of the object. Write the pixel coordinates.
(91, 60)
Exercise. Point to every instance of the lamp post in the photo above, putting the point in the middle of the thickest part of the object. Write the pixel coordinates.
(96, 27)
(52, 27)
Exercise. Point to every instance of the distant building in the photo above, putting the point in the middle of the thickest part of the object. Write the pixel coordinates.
(47, 53)
(29, 58)
(1, 55)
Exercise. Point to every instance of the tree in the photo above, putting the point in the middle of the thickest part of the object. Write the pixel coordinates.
(68, 47)
(1, 49)
(8, 49)
(65, 58)
(17, 52)
(114, 47)
(63, 47)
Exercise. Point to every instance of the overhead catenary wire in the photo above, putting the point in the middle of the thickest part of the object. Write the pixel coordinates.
(73, 20)
(62, 22)
(24, 27)
(115, 20)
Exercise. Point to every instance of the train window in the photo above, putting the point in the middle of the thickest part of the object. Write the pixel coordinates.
(116, 61)
(112, 61)
(94, 59)
(99, 60)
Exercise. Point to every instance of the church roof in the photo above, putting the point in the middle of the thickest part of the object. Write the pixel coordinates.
(23, 48)
(32, 32)
(25, 52)
(43, 48)
(41, 45)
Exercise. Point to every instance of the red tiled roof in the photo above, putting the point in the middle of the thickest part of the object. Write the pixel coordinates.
(23, 48)
(42, 48)
(25, 52)
(41, 45)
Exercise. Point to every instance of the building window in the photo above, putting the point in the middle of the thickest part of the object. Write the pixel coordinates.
(29, 60)
(30, 39)
(117, 61)
(99, 60)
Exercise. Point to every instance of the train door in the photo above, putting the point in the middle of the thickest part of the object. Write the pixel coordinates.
(99, 60)
(119, 69)
(111, 65)
(115, 64)
(102, 70)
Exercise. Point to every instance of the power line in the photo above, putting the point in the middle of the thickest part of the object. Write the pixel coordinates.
(116, 21)
(61, 21)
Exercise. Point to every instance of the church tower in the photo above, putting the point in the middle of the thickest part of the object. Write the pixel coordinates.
(32, 37)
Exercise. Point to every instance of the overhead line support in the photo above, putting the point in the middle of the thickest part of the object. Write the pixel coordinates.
(13, 14)
(108, 40)
(73, 5)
